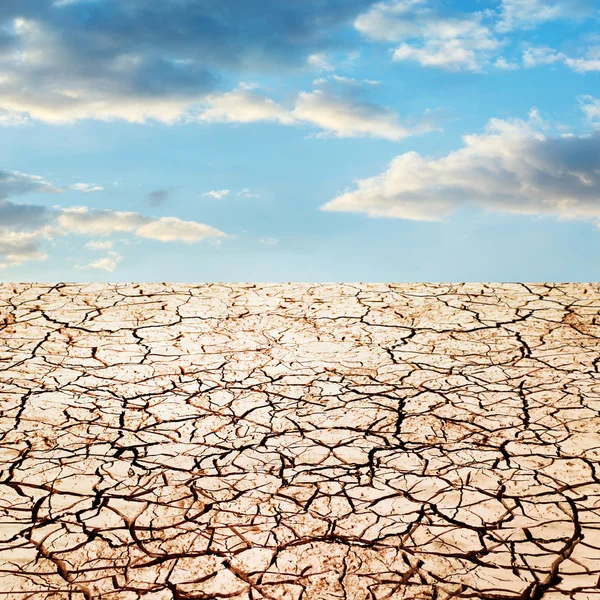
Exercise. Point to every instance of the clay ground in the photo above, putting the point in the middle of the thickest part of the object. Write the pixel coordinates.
(299, 442)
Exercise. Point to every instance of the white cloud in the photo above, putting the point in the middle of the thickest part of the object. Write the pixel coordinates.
(393, 21)
(435, 36)
(45, 79)
(591, 108)
(536, 56)
(96, 245)
(218, 194)
(512, 167)
(170, 229)
(242, 106)
(11, 118)
(138, 63)
(269, 241)
(86, 188)
(587, 63)
(451, 54)
(533, 57)
(345, 117)
(108, 263)
(505, 65)
(320, 61)
(527, 14)
(428, 36)
(345, 80)
(246, 193)
(81, 220)
(60, 3)
(337, 114)
(23, 227)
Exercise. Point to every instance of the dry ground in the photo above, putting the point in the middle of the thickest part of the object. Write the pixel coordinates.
(314, 442)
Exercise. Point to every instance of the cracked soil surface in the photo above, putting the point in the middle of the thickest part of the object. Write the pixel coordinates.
(299, 442)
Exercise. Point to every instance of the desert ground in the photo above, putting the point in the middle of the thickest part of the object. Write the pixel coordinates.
(299, 442)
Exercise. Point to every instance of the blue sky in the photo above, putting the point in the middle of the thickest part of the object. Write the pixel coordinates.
(276, 140)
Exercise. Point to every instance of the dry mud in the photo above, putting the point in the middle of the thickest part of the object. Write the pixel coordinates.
(299, 442)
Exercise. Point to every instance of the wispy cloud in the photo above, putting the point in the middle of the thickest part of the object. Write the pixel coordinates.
(97, 245)
(86, 188)
(269, 241)
(172, 229)
(218, 194)
(588, 61)
(108, 263)
(527, 14)
(246, 193)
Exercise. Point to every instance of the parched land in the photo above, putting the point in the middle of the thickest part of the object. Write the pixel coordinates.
(299, 442)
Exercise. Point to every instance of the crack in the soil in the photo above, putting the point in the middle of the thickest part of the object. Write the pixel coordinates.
(299, 442)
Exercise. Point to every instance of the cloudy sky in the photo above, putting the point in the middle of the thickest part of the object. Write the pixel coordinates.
(277, 140)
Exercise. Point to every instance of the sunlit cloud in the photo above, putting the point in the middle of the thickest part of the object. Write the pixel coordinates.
(514, 166)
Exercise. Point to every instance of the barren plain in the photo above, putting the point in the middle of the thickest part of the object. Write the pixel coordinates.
(299, 442)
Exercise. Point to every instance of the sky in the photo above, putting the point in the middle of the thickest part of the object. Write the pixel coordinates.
(277, 140)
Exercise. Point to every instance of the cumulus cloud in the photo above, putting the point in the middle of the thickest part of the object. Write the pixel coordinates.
(218, 194)
(512, 167)
(129, 60)
(121, 60)
(430, 36)
(526, 14)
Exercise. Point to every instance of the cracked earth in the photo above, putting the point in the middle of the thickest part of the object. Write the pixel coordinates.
(299, 442)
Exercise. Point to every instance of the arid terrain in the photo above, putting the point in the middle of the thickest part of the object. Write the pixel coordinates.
(299, 442)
